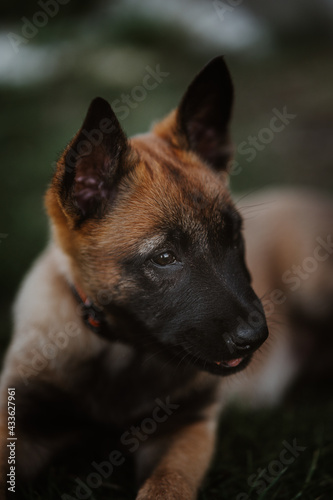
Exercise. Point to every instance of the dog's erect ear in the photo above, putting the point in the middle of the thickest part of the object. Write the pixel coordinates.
(204, 113)
(201, 122)
(92, 164)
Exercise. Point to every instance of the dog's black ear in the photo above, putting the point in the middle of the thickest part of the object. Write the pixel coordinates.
(204, 113)
(92, 163)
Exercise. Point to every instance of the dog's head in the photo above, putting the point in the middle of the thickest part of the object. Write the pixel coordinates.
(152, 234)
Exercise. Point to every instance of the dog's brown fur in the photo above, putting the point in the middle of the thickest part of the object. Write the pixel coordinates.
(142, 185)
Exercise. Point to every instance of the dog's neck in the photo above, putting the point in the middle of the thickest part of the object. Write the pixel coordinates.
(92, 316)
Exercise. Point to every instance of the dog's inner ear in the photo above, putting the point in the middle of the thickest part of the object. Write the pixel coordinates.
(203, 115)
(93, 163)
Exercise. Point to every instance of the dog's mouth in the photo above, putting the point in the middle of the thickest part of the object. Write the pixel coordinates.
(221, 367)
(185, 353)
(232, 363)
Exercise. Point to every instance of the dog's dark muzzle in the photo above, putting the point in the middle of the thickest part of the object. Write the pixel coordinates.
(246, 340)
(228, 335)
(225, 353)
(244, 328)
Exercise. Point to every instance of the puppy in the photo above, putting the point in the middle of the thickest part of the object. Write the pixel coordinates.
(142, 303)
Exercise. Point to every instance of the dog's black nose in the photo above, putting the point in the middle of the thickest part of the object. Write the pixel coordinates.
(247, 339)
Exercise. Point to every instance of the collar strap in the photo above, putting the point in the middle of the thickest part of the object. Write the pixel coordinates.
(92, 316)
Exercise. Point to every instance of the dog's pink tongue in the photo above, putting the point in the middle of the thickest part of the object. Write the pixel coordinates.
(231, 363)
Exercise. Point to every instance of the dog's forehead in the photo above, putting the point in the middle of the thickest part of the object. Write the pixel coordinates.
(168, 193)
(179, 177)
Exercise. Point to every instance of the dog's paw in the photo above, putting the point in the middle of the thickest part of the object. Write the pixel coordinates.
(166, 486)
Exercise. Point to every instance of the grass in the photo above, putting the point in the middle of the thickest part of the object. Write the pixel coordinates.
(41, 118)
(248, 463)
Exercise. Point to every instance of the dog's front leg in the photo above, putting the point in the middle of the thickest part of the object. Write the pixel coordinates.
(181, 469)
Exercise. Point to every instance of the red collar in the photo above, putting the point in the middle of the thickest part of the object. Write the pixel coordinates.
(92, 316)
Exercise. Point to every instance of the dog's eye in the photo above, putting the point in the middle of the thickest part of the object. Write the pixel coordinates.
(164, 259)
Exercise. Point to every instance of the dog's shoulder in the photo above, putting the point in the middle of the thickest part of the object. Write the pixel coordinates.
(48, 330)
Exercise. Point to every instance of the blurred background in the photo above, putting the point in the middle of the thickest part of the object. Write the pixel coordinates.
(57, 55)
